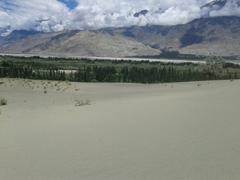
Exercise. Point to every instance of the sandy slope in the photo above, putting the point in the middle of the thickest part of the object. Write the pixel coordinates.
(177, 131)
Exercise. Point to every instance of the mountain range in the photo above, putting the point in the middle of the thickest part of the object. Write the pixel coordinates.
(218, 36)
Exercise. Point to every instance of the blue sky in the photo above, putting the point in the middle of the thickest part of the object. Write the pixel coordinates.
(71, 4)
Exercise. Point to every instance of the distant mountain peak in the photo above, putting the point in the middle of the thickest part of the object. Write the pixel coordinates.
(221, 8)
(216, 4)
(141, 13)
(219, 4)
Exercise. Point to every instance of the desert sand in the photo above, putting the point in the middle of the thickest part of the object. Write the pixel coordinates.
(178, 131)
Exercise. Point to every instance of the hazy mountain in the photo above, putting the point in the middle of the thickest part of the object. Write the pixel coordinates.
(205, 36)
(77, 43)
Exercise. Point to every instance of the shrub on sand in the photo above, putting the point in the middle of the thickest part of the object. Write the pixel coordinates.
(82, 102)
(3, 102)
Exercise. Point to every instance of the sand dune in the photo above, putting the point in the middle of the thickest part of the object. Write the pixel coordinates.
(179, 131)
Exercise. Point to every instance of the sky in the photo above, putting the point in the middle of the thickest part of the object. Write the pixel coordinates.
(71, 4)
(59, 15)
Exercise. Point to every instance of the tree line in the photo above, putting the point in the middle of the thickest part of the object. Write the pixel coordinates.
(131, 74)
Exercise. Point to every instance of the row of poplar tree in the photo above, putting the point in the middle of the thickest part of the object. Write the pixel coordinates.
(95, 73)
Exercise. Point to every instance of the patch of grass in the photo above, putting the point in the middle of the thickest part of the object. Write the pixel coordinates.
(3, 102)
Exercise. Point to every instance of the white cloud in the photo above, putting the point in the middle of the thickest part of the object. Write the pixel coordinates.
(100, 13)
(45, 15)
(52, 15)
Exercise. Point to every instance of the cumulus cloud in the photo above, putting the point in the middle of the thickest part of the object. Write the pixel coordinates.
(42, 15)
(57, 15)
(99, 13)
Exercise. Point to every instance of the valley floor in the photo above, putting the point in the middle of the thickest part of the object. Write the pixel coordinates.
(175, 131)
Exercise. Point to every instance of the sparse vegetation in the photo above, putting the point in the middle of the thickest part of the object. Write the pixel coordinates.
(82, 102)
(3, 102)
